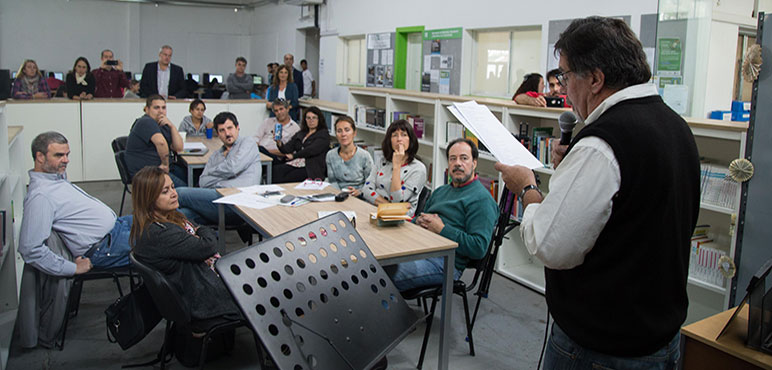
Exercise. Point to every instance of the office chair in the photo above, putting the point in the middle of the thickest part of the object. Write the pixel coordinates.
(119, 143)
(120, 161)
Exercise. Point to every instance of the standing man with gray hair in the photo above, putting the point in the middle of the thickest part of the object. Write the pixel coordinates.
(89, 228)
(614, 231)
(163, 77)
(297, 75)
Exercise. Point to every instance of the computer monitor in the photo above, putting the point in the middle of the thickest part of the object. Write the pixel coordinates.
(218, 77)
(59, 76)
(196, 77)
(138, 76)
(257, 79)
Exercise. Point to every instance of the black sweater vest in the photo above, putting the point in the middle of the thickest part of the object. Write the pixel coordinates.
(629, 298)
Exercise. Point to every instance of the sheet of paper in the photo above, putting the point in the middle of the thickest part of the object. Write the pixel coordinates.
(259, 189)
(194, 145)
(376, 57)
(245, 200)
(427, 63)
(312, 185)
(502, 144)
(389, 57)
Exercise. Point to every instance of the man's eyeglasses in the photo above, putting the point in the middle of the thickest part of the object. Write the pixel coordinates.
(562, 77)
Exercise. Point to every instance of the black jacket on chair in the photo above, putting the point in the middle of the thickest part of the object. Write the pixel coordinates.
(314, 150)
(149, 84)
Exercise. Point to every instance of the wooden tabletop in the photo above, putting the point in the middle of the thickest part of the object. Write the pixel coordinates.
(385, 242)
(13, 131)
(213, 145)
(733, 341)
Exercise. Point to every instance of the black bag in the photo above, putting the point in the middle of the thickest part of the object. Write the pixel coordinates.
(187, 348)
(131, 317)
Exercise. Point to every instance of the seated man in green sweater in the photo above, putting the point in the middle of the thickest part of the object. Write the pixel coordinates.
(462, 211)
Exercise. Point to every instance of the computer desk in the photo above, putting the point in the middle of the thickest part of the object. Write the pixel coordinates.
(199, 161)
(389, 245)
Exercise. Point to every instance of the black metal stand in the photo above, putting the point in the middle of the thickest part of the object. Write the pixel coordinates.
(317, 297)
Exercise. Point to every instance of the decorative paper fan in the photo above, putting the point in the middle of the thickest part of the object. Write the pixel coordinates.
(727, 267)
(741, 170)
(752, 63)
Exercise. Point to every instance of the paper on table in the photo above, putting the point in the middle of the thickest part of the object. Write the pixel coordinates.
(259, 189)
(194, 145)
(483, 124)
(245, 200)
(312, 185)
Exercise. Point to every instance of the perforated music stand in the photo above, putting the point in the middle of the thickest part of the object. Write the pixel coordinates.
(317, 297)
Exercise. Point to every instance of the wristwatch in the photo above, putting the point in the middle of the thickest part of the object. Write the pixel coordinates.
(527, 188)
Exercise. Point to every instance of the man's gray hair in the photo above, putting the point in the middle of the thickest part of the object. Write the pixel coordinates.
(283, 102)
(41, 142)
(104, 51)
(165, 47)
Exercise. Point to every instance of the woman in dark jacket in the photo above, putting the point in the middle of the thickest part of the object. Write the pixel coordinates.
(283, 86)
(306, 151)
(80, 82)
(184, 252)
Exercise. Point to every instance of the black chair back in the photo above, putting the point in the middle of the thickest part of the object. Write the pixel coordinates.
(166, 298)
(119, 143)
(120, 161)
(422, 198)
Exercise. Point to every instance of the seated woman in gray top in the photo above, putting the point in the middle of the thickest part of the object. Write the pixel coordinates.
(348, 166)
(196, 123)
(398, 177)
(181, 250)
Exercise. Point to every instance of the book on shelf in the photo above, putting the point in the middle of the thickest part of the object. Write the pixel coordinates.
(480, 146)
(360, 114)
(453, 130)
(705, 256)
(418, 125)
(717, 188)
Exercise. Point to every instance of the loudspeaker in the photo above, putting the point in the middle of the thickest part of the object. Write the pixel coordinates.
(5, 84)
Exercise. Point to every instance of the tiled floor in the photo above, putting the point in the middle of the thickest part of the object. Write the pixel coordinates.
(508, 333)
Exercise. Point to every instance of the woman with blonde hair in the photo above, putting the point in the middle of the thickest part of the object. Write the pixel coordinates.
(184, 252)
(29, 83)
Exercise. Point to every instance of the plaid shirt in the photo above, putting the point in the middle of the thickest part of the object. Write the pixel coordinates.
(109, 83)
(18, 90)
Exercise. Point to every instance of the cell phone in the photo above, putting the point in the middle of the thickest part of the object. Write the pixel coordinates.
(111, 62)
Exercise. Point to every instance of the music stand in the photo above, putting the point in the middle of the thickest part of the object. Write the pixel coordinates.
(317, 297)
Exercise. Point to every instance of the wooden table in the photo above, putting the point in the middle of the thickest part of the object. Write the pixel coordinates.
(701, 350)
(390, 245)
(199, 161)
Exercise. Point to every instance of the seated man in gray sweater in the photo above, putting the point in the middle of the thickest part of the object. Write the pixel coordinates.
(89, 228)
(239, 84)
(235, 164)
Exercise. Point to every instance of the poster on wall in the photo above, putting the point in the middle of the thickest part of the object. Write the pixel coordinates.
(669, 57)
(441, 49)
(380, 59)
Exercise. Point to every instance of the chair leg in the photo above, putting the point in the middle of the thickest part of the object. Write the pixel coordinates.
(468, 325)
(429, 320)
(165, 345)
(123, 198)
(202, 358)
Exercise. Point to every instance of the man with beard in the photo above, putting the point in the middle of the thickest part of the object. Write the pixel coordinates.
(235, 164)
(462, 211)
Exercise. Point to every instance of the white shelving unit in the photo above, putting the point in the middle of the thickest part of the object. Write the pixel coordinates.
(11, 201)
(719, 141)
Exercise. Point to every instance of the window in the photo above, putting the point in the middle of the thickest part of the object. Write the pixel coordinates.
(503, 57)
(352, 57)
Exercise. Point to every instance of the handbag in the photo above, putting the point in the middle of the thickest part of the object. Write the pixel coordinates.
(131, 316)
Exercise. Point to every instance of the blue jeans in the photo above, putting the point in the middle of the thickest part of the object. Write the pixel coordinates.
(419, 273)
(196, 204)
(179, 175)
(563, 353)
(114, 251)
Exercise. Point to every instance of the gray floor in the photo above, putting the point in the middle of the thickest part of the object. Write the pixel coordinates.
(508, 333)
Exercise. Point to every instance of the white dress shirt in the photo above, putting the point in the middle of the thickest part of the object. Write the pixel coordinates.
(163, 81)
(563, 228)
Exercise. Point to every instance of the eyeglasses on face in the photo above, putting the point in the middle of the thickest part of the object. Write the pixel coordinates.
(562, 77)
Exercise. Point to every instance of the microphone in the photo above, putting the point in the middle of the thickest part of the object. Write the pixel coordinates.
(566, 121)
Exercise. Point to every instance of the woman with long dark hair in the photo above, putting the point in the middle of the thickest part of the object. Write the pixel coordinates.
(306, 151)
(283, 87)
(80, 81)
(184, 252)
(531, 91)
(399, 176)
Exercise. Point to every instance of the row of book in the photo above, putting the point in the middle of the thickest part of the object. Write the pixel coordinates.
(717, 188)
(414, 120)
(371, 116)
(704, 258)
(455, 130)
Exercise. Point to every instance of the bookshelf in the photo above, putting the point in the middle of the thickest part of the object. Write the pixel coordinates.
(718, 141)
(11, 201)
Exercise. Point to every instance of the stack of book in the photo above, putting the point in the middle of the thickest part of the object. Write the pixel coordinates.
(717, 188)
(704, 258)
(370, 116)
(542, 143)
